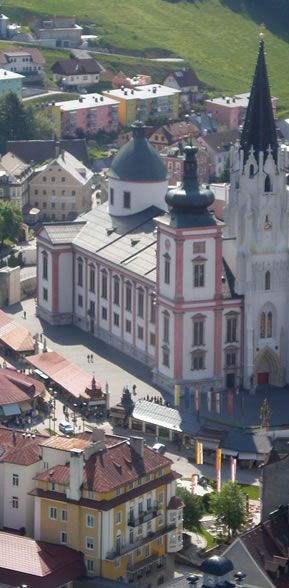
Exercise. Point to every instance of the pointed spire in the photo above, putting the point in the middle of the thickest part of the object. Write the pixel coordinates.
(259, 129)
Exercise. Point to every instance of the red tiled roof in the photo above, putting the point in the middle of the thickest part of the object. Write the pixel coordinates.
(34, 53)
(185, 77)
(114, 466)
(17, 387)
(113, 502)
(66, 374)
(36, 563)
(19, 448)
(70, 67)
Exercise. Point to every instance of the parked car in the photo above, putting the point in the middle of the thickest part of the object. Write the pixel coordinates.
(159, 447)
(66, 428)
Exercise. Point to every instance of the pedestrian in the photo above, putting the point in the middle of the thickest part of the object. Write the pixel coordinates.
(134, 389)
(24, 314)
(88, 358)
(91, 358)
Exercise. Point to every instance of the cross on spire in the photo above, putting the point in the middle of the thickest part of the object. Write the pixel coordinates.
(259, 129)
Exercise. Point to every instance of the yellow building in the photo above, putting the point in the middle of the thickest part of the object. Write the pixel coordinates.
(152, 101)
(114, 500)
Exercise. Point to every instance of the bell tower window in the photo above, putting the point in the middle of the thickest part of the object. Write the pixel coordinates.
(267, 187)
(267, 281)
(251, 171)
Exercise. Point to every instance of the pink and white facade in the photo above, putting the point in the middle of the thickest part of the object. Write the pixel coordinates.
(159, 293)
(90, 113)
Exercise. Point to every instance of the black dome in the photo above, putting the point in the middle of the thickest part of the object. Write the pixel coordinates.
(137, 160)
(189, 203)
(217, 566)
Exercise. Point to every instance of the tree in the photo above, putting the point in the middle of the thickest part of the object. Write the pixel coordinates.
(193, 509)
(127, 402)
(10, 221)
(229, 506)
(15, 122)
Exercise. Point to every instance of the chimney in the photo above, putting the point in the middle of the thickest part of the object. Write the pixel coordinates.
(98, 443)
(137, 444)
(75, 474)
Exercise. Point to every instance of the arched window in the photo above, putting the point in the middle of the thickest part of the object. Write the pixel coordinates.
(267, 281)
(167, 268)
(267, 187)
(251, 171)
(263, 325)
(79, 271)
(44, 265)
(269, 324)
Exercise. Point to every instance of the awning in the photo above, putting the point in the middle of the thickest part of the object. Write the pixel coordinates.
(229, 452)
(11, 409)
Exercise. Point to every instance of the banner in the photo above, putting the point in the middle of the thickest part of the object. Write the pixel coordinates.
(197, 400)
(230, 405)
(209, 400)
(194, 483)
(218, 468)
(218, 403)
(233, 468)
(177, 394)
(199, 453)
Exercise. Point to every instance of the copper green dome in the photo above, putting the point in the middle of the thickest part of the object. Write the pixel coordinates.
(137, 160)
(188, 203)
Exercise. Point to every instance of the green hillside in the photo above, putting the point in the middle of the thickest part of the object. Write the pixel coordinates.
(217, 37)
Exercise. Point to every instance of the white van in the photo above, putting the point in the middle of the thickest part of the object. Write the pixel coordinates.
(66, 428)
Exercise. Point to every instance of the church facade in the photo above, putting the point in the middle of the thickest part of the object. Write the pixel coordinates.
(155, 274)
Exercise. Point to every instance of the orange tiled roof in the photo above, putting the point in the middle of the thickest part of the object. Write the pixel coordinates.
(18, 447)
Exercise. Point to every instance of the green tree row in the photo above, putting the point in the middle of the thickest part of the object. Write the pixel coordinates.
(19, 121)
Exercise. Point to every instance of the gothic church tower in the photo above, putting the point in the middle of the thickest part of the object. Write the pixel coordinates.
(257, 237)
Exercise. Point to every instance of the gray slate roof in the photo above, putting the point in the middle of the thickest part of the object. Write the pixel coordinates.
(61, 233)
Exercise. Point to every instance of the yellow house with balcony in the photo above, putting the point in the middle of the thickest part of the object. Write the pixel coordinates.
(113, 499)
(151, 101)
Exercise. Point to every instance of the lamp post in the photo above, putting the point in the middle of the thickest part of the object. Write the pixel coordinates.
(84, 405)
(54, 409)
(74, 416)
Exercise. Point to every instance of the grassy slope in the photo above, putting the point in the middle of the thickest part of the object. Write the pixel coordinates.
(218, 42)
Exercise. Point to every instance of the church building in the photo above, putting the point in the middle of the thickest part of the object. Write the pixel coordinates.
(153, 272)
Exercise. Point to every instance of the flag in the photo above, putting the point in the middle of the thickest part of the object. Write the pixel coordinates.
(199, 453)
(218, 468)
(218, 403)
(233, 469)
(194, 483)
(197, 400)
(209, 400)
(177, 394)
(230, 401)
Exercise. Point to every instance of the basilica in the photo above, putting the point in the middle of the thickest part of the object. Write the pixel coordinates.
(155, 274)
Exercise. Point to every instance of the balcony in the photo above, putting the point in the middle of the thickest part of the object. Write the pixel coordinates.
(144, 517)
(150, 565)
(140, 541)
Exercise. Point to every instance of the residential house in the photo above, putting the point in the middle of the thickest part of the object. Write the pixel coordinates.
(35, 564)
(57, 31)
(121, 79)
(186, 81)
(11, 82)
(14, 179)
(203, 121)
(28, 62)
(19, 463)
(262, 552)
(218, 146)
(169, 134)
(62, 188)
(76, 73)
(276, 467)
(121, 497)
(230, 111)
(145, 102)
(173, 158)
(89, 114)
(38, 151)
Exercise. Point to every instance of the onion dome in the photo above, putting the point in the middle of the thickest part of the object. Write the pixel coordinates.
(188, 203)
(137, 160)
(217, 566)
